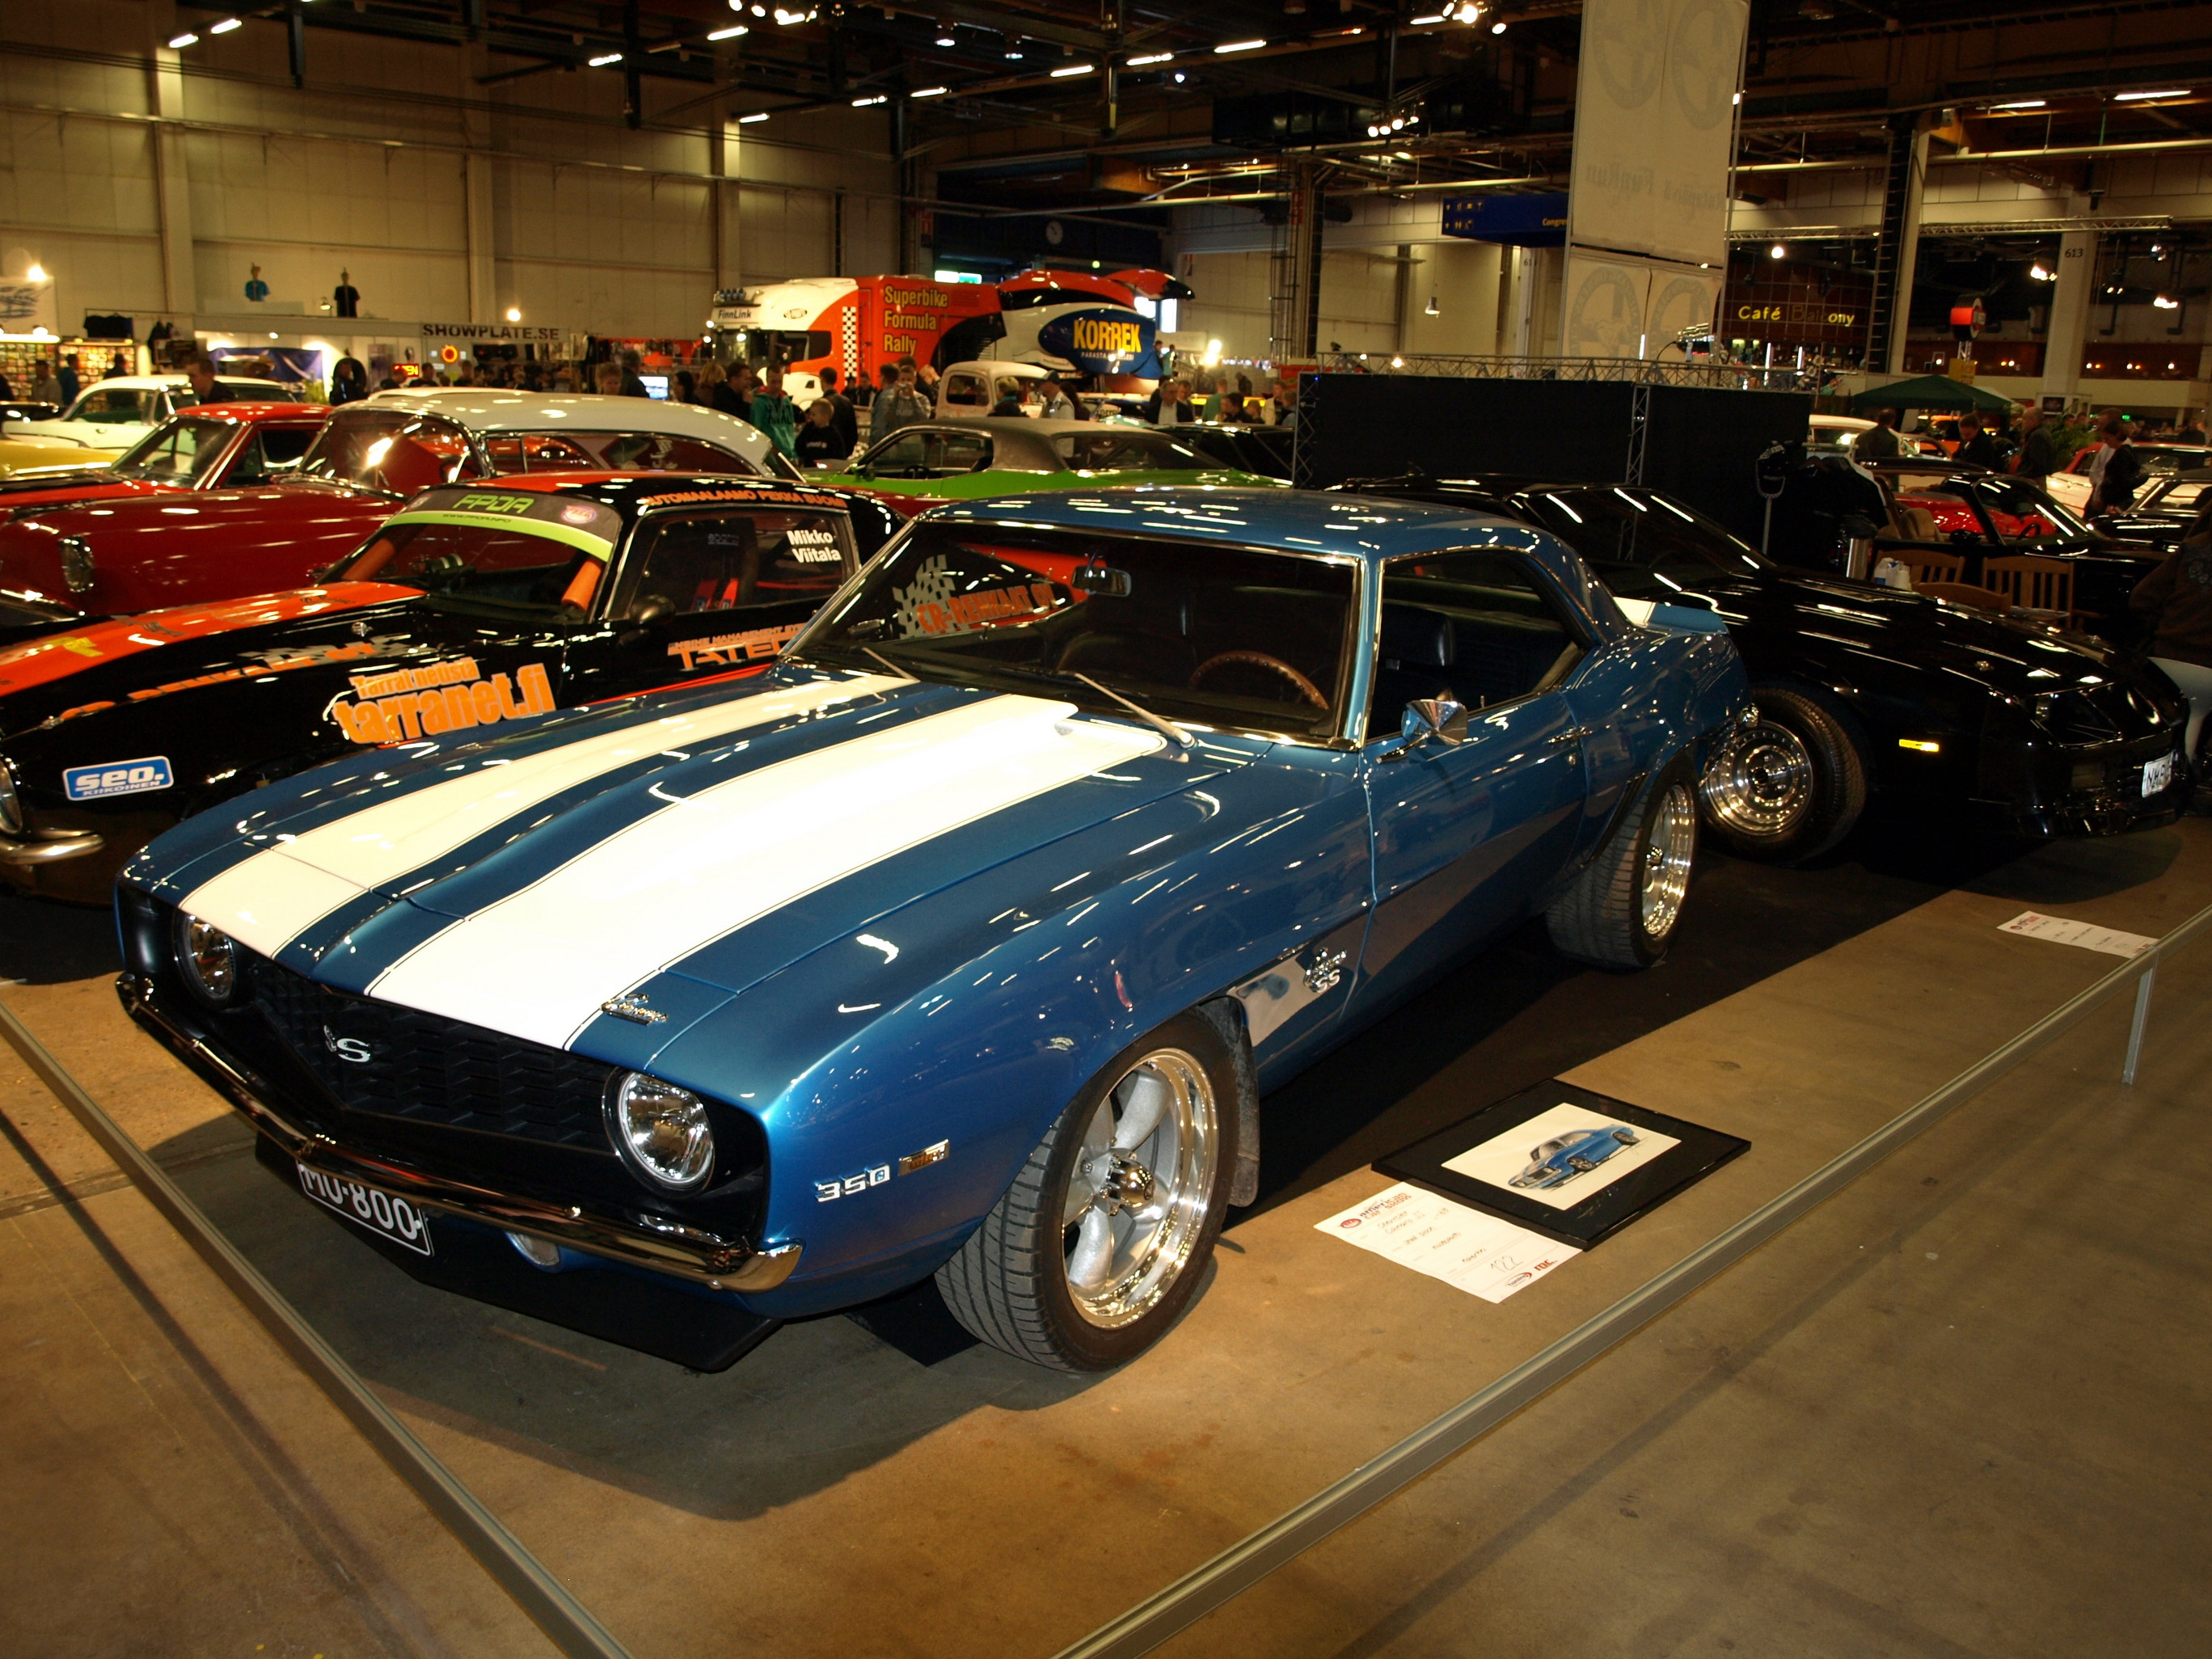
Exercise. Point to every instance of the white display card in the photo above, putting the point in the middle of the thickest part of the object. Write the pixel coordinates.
(2029, 924)
(1468, 1250)
(1539, 1157)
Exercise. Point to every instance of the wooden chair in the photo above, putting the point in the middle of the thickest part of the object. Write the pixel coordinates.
(1926, 566)
(2030, 582)
(1981, 598)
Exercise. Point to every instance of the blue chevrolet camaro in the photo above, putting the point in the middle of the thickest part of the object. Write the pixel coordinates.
(963, 943)
(1556, 1162)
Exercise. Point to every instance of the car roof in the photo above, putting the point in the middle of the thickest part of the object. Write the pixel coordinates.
(1289, 522)
(495, 408)
(165, 382)
(238, 410)
(632, 493)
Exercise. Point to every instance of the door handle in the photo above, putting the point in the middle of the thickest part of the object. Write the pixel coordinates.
(1572, 734)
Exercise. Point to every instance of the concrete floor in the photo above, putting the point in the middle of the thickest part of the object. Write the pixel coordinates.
(1959, 1409)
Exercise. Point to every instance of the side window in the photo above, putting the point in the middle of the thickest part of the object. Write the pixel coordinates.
(958, 451)
(964, 391)
(282, 447)
(114, 404)
(720, 562)
(1595, 523)
(1478, 626)
(902, 456)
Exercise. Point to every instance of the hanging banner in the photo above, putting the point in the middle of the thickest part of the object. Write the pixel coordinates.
(1103, 342)
(1654, 117)
(1624, 308)
(492, 333)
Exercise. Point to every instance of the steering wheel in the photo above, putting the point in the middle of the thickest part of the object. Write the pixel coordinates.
(1305, 687)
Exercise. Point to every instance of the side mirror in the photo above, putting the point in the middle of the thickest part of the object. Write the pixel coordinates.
(1100, 579)
(1443, 719)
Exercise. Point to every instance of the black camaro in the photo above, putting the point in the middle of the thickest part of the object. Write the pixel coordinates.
(1862, 688)
(473, 605)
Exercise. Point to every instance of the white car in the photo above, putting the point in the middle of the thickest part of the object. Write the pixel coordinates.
(971, 391)
(117, 412)
(1836, 431)
(2072, 486)
(558, 432)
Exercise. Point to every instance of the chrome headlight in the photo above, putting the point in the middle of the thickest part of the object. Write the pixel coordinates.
(76, 564)
(11, 806)
(207, 958)
(661, 1132)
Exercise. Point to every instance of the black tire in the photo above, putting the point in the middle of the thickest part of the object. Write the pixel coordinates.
(1602, 919)
(1580, 1165)
(1625, 1137)
(1010, 1283)
(1752, 798)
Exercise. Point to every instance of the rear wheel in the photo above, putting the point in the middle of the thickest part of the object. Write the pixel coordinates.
(1621, 911)
(1787, 788)
(1098, 1245)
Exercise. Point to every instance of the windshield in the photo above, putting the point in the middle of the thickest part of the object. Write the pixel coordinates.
(393, 450)
(1215, 636)
(115, 403)
(2182, 498)
(516, 553)
(2171, 458)
(770, 345)
(1612, 527)
(183, 451)
(611, 452)
(1125, 449)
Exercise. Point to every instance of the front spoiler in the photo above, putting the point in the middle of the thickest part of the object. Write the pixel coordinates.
(682, 1252)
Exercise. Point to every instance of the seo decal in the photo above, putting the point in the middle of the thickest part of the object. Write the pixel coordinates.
(404, 703)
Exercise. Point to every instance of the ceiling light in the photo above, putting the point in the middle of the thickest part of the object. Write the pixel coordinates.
(862, 103)
(1432, 310)
(758, 11)
(1423, 22)
(36, 274)
(230, 23)
(1776, 252)
(1239, 45)
(1153, 58)
(1468, 13)
(2118, 97)
(1074, 68)
(1178, 77)
(747, 121)
(1397, 362)
(513, 315)
(1013, 58)
(1498, 28)
(729, 33)
(2025, 103)
(605, 58)
(2039, 271)
(945, 36)
(929, 92)
(187, 39)
(2166, 302)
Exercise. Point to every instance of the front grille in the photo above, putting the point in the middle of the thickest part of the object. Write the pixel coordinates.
(425, 1068)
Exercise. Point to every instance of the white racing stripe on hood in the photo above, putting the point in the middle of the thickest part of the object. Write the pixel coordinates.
(267, 901)
(539, 963)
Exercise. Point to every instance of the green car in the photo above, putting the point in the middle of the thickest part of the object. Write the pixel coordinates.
(1006, 454)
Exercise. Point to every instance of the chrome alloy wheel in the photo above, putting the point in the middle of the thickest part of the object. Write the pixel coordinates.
(1760, 784)
(1669, 846)
(1141, 1188)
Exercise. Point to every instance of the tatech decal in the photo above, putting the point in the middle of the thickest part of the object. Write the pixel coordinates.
(404, 703)
(130, 777)
(734, 650)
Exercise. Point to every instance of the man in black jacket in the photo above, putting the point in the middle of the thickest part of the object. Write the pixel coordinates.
(842, 415)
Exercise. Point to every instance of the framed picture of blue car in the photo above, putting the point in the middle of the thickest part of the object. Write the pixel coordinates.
(1568, 1163)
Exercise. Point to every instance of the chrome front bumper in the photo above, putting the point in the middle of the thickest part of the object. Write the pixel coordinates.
(50, 847)
(683, 1252)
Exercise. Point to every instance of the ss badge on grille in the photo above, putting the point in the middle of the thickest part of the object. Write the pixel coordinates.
(352, 1048)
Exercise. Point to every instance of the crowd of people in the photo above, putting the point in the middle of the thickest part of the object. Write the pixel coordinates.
(2027, 446)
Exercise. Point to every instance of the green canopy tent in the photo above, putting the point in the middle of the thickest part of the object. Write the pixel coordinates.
(1929, 391)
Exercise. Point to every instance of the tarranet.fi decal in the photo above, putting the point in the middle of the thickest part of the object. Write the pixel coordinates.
(402, 703)
(130, 777)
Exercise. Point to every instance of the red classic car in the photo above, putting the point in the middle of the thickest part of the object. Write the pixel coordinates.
(144, 552)
(209, 447)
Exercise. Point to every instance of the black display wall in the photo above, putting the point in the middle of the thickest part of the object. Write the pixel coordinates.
(1700, 444)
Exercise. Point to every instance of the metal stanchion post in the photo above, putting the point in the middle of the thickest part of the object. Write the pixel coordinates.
(2142, 1018)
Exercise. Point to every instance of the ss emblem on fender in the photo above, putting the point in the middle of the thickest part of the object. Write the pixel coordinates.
(1323, 972)
(348, 1049)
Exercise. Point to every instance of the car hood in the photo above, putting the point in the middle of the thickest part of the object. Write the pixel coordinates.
(2018, 658)
(171, 509)
(978, 486)
(530, 882)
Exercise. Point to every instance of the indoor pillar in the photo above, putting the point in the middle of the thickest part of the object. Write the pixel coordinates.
(173, 184)
(2070, 299)
(722, 147)
(483, 298)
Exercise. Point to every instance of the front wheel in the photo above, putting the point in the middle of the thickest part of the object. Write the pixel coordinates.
(1789, 787)
(1098, 1245)
(1621, 911)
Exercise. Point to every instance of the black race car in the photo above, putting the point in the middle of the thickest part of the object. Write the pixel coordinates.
(474, 604)
(2165, 508)
(1862, 688)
